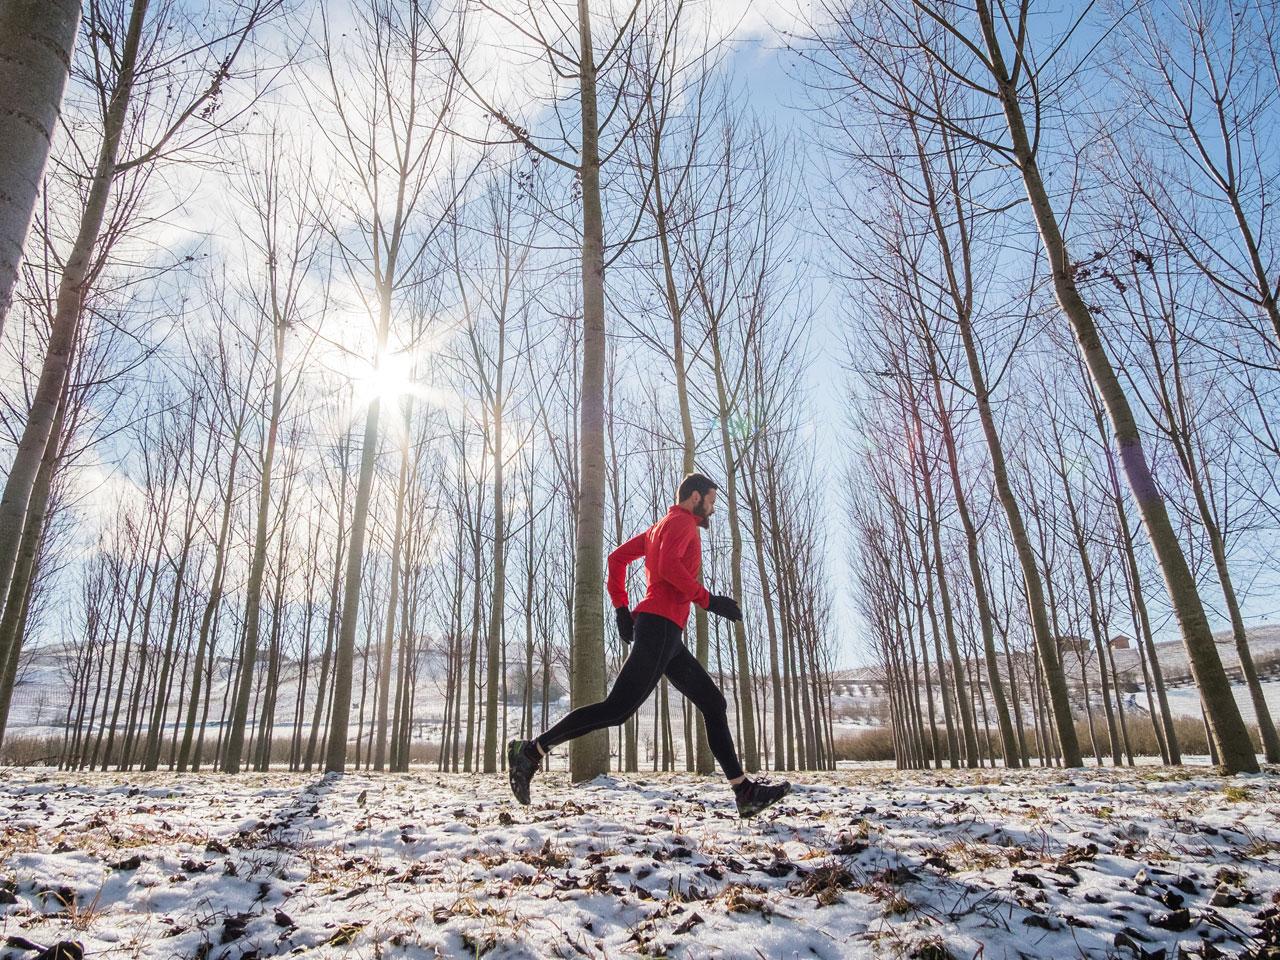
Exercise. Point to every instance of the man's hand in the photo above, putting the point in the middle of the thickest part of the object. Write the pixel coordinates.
(726, 607)
(626, 626)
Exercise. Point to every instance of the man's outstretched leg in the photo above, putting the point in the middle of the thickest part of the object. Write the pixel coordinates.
(639, 676)
(688, 676)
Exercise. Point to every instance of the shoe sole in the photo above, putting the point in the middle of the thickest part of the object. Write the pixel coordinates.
(755, 812)
(513, 753)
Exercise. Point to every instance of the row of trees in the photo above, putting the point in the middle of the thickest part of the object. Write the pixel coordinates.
(1058, 443)
(359, 437)
(382, 407)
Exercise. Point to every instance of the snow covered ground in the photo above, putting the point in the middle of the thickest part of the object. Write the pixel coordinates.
(860, 863)
(1185, 701)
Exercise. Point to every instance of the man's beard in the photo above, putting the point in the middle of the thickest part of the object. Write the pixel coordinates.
(704, 519)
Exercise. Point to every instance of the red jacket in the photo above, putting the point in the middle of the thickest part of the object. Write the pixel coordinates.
(672, 554)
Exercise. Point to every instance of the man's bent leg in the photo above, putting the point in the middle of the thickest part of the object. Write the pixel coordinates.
(689, 677)
(636, 680)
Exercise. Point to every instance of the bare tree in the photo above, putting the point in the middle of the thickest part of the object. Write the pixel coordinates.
(973, 45)
(384, 231)
(118, 74)
(613, 72)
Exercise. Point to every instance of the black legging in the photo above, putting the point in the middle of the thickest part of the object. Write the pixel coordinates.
(656, 650)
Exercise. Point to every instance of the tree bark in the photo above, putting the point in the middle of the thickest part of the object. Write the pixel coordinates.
(211, 604)
(981, 597)
(253, 592)
(36, 41)
(944, 598)
(388, 634)
(589, 754)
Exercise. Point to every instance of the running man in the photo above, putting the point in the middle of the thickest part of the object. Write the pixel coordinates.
(672, 554)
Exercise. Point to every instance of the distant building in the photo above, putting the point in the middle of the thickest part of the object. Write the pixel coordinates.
(1069, 643)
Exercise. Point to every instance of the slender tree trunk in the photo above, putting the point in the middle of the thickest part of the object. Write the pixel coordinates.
(944, 598)
(11, 637)
(267, 718)
(953, 746)
(1261, 712)
(384, 671)
(498, 598)
(982, 598)
(589, 754)
(140, 674)
(751, 758)
(155, 734)
(1165, 732)
(36, 41)
(1120, 715)
(331, 621)
(253, 592)
(1099, 641)
(339, 719)
(704, 762)
(211, 604)
(477, 586)
(766, 591)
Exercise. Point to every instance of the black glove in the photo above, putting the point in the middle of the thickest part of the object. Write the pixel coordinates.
(626, 626)
(726, 607)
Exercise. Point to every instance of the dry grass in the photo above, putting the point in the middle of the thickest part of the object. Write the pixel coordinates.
(876, 744)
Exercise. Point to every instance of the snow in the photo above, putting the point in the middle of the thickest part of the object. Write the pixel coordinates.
(1264, 646)
(1185, 701)
(857, 863)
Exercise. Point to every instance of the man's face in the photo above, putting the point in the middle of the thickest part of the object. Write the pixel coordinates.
(704, 506)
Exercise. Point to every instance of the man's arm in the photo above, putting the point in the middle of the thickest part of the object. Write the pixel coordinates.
(619, 559)
(671, 568)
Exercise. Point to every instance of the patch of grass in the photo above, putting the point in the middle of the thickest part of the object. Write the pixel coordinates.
(744, 898)
(897, 905)
(930, 948)
(1260, 847)
(965, 854)
(1230, 876)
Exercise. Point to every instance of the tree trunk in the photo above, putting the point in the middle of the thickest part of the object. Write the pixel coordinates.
(1095, 626)
(323, 693)
(1045, 645)
(751, 758)
(253, 592)
(36, 41)
(151, 751)
(775, 677)
(384, 671)
(11, 637)
(344, 661)
(211, 604)
(498, 599)
(589, 754)
(1009, 744)
(944, 597)
(1165, 732)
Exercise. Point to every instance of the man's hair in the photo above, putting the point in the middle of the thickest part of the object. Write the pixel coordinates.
(695, 483)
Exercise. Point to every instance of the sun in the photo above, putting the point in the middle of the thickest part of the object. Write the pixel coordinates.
(387, 381)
